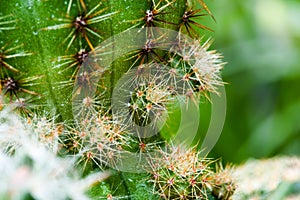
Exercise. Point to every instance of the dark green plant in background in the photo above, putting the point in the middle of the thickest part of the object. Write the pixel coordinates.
(260, 41)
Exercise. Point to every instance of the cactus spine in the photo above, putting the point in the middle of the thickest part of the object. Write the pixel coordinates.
(45, 47)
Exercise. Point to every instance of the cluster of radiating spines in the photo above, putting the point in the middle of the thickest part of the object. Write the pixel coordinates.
(224, 183)
(196, 68)
(46, 129)
(140, 100)
(155, 17)
(70, 63)
(147, 103)
(188, 22)
(87, 107)
(30, 169)
(16, 94)
(13, 87)
(149, 52)
(182, 174)
(97, 141)
(36, 126)
(190, 19)
(82, 25)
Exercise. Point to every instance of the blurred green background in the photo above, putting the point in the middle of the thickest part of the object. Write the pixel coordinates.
(260, 41)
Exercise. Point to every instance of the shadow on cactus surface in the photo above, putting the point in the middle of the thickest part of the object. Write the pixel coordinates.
(102, 100)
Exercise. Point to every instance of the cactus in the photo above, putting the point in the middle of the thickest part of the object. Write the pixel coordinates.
(96, 80)
(275, 178)
(30, 168)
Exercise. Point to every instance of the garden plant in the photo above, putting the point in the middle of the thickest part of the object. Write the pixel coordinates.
(100, 99)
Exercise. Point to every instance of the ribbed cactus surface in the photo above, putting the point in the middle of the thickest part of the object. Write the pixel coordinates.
(96, 81)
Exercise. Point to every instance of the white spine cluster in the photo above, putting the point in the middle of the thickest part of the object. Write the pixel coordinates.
(29, 168)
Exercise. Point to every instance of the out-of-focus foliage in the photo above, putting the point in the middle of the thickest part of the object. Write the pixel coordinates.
(260, 40)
